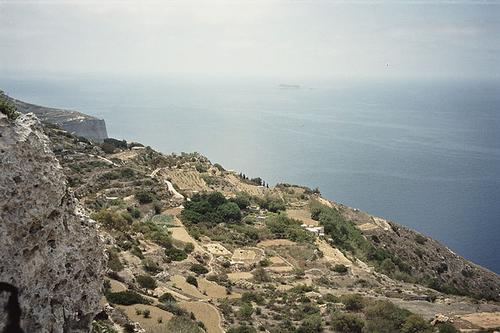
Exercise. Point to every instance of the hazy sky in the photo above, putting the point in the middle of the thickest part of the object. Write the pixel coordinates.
(326, 39)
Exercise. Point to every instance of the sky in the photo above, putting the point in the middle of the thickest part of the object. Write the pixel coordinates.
(292, 39)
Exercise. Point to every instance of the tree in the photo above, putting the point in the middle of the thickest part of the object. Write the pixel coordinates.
(229, 211)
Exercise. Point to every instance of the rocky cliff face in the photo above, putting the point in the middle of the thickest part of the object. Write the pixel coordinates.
(49, 250)
(74, 122)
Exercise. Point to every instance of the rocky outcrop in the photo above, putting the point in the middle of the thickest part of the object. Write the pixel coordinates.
(76, 123)
(49, 250)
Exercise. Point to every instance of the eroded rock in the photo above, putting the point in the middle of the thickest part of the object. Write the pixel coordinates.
(49, 250)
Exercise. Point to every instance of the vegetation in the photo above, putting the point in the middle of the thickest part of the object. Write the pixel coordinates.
(126, 297)
(346, 323)
(144, 197)
(182, 324)
(210, 208)
(7, 107)
(198, 269)
(282, 226)
(192, 280)
(167, 298)
(146, 281)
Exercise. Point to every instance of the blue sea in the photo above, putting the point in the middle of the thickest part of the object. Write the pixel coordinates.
(425, 154)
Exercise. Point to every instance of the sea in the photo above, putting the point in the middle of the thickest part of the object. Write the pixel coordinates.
(423, 153)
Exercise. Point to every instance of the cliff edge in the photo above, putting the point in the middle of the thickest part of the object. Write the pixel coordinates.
(74, 122)
(50, 253)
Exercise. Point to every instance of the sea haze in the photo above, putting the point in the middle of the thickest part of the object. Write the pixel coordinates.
(424, 154)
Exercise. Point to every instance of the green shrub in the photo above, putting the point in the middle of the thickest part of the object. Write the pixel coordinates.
(199, 269)
(151, 266)
(126, 297)
(346, 323)
(7, 107)
(111, 219)
(136, 251)
(447, 328)
(114, 262)
(144, 197)
(134, 212)
(192, 280)
(246, 311)
(311, 324)
(420, 239)
(189, 247)
(339, 268)
(384, 317)
(241, 329)
(146, 281)
(353, 302)
(167, 298)
(175, 254)
(416, 324)
(182, 324)
(146, 313)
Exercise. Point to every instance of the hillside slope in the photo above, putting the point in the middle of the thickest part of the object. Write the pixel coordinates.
(196, 246)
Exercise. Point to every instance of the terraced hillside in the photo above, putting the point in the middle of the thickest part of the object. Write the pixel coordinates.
(193, 247)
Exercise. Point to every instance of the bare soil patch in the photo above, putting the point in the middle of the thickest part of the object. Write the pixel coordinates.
(149, 324)
(276, 242)
(483, 319)
(206, 313)
(303, 215)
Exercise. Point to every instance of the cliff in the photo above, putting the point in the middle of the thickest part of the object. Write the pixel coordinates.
(51, 258)
(74, 122)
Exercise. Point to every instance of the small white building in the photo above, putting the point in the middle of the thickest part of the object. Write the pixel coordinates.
(318, 231)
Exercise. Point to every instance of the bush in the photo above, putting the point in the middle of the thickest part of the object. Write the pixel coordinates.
(7, 107)
(175, 254)
(189, 247)
(416, 324)
(126, 297)
(182, 324)
(420, 239)
(199, 269)
(111, 220)
(339, 268)
(144, 197)
(229, 211)
(447, 328)
(260, 275)
(151, 266)
(167, 298)
(192, 280)
(352, 302)
(146, 313)
(146, 281)
(134, 212)
(210, 208)
(242, 199)
(246, 311)
(347, 323)
(311, 324)
(384, 317)
(241, 329)
(114, 262)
